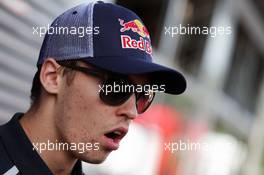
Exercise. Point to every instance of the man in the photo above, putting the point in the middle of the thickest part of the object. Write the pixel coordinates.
(81, 106)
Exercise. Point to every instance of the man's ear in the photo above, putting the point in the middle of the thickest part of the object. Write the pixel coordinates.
(50, 77)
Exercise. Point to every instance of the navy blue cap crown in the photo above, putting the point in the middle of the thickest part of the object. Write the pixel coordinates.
(110, 37)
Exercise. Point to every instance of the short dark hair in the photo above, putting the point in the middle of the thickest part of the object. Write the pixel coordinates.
(37, 86)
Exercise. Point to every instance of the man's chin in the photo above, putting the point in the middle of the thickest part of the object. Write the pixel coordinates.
(94, 159)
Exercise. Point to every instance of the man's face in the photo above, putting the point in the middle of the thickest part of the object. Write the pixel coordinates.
(82, 118)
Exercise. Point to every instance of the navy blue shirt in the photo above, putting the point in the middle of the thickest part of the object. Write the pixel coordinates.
(17, 155)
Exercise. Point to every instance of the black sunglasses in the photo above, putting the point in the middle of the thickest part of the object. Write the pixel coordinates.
(113, 98)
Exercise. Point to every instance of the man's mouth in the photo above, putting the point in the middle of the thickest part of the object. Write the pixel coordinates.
(114, 136)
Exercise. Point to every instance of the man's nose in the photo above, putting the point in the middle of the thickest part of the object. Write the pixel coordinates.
(128, 109)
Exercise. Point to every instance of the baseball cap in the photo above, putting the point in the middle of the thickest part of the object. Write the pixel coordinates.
(115, 40)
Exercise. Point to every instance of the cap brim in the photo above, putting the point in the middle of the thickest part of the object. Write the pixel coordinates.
(173, 80)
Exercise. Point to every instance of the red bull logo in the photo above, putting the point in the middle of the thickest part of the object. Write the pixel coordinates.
(135, 26)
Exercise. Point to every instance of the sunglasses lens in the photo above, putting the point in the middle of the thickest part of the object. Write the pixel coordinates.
(144, 100)
(114, 97)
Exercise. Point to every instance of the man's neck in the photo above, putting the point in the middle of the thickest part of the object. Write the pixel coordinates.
(39, 126)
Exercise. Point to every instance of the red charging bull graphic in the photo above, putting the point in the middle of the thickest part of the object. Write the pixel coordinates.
(137, 27)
